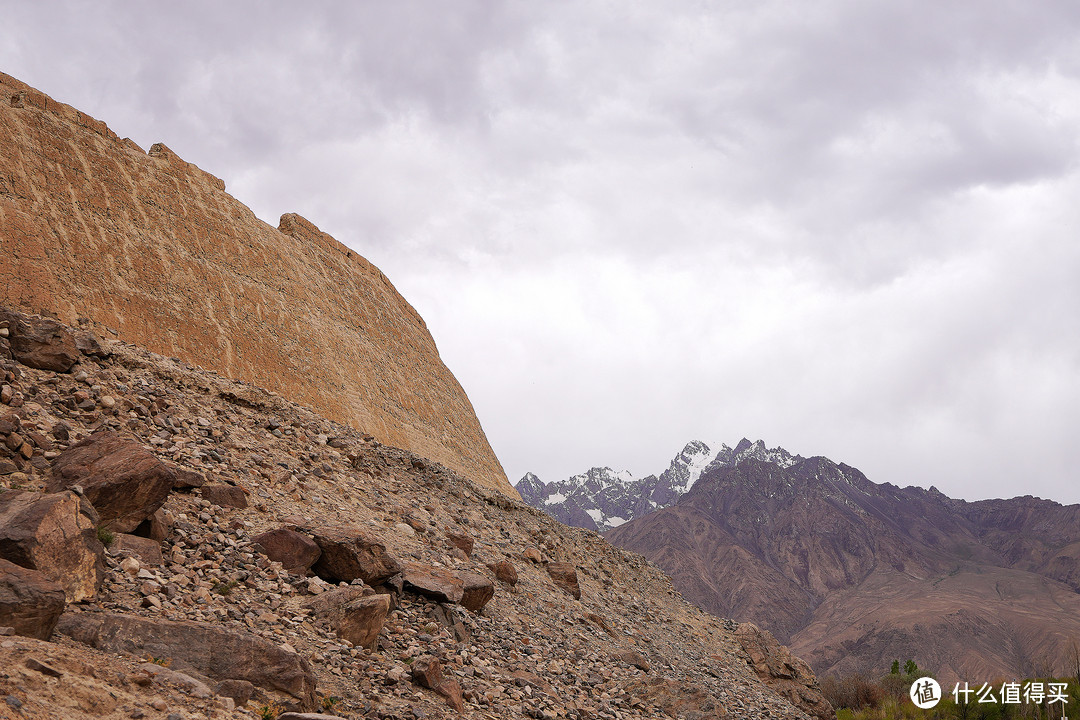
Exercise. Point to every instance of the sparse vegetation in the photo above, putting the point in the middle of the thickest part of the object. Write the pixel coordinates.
(269, 711)
(224, 588)
(329, 702)
(856, 698)
(163, 662)
(105, 535)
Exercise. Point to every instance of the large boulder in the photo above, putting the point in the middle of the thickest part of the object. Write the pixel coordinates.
(125, 482)
(348, 553)
(29, 602)
(216, 653)
(225, 496)
(295, 551)
(432, 582)
(564, 575)
(476, 591)
(355, 613)
(55, 534)
(39, 342)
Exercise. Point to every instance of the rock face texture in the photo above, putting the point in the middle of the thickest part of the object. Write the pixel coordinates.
(147, 248)
(30, 603)
(54, 533)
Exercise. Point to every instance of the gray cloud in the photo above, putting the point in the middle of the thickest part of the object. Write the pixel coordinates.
(847, 228)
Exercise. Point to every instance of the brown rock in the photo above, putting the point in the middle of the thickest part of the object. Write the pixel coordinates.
(477, 590)
(187, 478)
(55, 534)
(39, 342)
(564, 575)
(238, 690)
(125, 482)
(786, 674)
(505, 572)
(29, 602)
(631, 657)
(435, 583)
(349, 553)
(451, 690)
(464, 542)
(10, 423)
(307, 716)
(157, 527)
(295, 551)
(354, 612)
(533, 554)
(225, 496)
(177, 263)
(147, 550)
(427, 672)
(216, 653)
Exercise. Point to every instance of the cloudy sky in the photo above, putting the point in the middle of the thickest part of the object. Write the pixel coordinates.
(843, 227)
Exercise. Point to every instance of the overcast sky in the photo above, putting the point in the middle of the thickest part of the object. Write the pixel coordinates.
(848, 228)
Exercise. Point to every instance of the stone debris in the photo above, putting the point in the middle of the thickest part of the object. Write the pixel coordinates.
(310, 600)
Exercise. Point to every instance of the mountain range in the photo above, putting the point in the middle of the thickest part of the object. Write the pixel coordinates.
(854, 574)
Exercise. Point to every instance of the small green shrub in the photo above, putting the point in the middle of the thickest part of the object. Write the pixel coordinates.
(105, 535)
(270, 711)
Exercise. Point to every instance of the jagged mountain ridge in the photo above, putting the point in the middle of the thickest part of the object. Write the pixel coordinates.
(601, 498)
(854, 574)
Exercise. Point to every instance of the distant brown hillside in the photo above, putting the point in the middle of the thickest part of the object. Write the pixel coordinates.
(150, 249)
(854, 574)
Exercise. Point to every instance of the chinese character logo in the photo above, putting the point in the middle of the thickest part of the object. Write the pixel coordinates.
(925, 693)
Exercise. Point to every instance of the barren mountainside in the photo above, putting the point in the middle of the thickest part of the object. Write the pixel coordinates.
(261, 556)
(854, 574)
(149, 249)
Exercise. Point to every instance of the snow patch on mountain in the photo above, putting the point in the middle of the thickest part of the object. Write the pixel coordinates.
(601, 498)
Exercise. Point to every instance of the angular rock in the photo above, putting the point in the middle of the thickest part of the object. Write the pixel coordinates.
(564, 575)
(477, 590)
(354, 613)
(786, 674)
(631, 657)
(462, 541)
(435, 583)
(39, 342)
(349, 553)
(225, 496)
(147, 550)
(448, 617)
(157, 527)
(238, 690)
(427, 672)
(124, 481)
(295, 551)
(55, 534)
(186, 478)
(216, 653)
(29, 602)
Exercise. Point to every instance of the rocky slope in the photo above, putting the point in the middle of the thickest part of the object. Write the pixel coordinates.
(601, 498)
(855, 574)
(259, 554)
(147, 248)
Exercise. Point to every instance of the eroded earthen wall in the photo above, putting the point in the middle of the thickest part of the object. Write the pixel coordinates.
(153, 251)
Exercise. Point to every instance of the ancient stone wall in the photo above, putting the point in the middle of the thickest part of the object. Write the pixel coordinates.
(151, 250)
